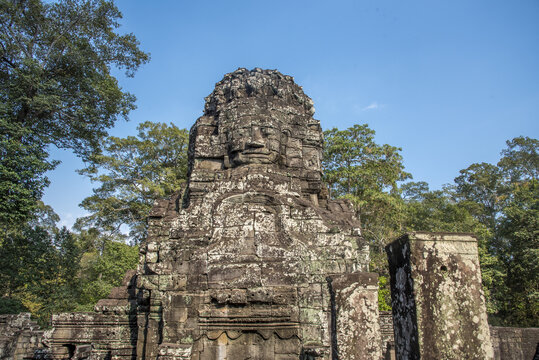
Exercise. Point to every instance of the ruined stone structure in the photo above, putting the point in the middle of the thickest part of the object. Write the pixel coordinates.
(251, 260)
(110, 332)
(515, 343)
(438, 304)
(386, 331)
(19, 336)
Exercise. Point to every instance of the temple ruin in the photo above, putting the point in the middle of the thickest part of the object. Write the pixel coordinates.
(251, 259)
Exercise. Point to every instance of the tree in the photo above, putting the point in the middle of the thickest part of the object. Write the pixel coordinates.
(357, 168)
(520, 160)
(518, 231)
(438, 211)
(23, 164)
(519, 228)
(102, 268)
(486, 188)
(481, 188)
(45, 270)
(414, 190)
(28, 259)
(503, 197)
(137, 171)
(56, 89)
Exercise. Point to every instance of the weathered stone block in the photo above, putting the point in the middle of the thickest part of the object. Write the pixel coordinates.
(356, 305)
(438, 305)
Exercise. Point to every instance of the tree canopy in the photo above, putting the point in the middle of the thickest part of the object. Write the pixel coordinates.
(499, 203)
(133, 172)
(56, 88)
(358, 168)
(505, 198)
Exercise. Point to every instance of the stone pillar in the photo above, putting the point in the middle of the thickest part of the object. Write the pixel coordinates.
(356, 314)
(438, 304)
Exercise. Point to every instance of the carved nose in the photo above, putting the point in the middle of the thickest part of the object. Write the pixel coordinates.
(256, 140)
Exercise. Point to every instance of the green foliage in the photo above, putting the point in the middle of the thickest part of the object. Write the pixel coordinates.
(438, 211)
(520, 160)
(137, 171)
(55, 67)
(56, 89)
(519, 229)
(384, 294)
(498, 203)
(102, 269)
(45, 270)
(11, 306)
(481, 189)
(366, 173)
(30, 275)
(23, 164)
(503, 197)
(355, 164)
(357, 168)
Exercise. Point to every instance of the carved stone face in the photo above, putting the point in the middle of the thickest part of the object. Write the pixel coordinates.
(255, 142)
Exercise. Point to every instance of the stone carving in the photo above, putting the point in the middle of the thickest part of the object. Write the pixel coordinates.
(19, 336)
(252, 261)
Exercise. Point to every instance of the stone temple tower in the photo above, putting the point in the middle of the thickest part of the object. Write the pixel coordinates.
(251, 260)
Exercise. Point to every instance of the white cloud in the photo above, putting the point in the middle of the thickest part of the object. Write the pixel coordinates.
(67, 220)
(372, 106)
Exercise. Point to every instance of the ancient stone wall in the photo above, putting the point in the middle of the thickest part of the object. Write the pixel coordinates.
(508, 343)
(515, 343)
(438, 305)
(110, 332)
(252, 260)
(388, 339)
(19, 336)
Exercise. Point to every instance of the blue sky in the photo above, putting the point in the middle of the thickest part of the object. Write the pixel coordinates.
(447, 81)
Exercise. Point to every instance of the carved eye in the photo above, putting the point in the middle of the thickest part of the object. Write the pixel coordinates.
(267, 131)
